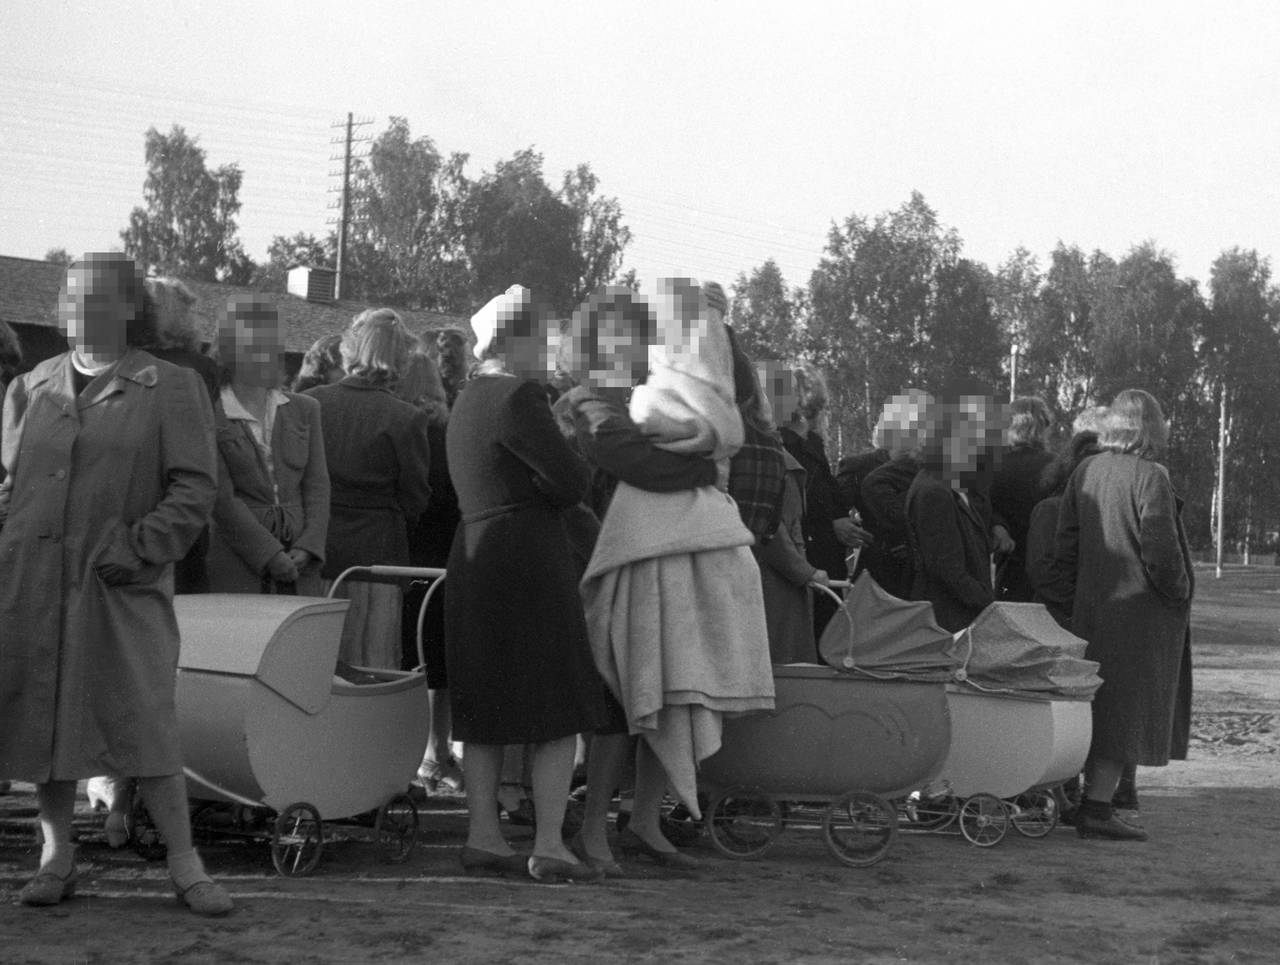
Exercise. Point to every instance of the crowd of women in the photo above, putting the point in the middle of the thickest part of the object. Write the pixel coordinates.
(629, 532)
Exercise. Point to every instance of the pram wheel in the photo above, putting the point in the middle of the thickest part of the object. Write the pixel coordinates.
(1035, 813)
(396, 828)
(743, 822)
(297, 840)
(146, 838)
(930, 813)
(859, 828)
(984, 820)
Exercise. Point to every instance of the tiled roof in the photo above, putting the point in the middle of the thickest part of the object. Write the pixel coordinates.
(29, 295)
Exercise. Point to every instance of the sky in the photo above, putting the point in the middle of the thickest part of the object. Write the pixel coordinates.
(729, 132)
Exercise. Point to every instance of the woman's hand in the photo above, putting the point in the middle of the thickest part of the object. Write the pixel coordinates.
(301, 559)
(820, 578)
(282, 569)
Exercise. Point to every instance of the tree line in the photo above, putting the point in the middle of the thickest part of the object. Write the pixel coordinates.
(894, 302)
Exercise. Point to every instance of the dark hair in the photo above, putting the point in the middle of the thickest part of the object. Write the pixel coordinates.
(1029, 421)
(747, 393)
(10, 355)
(140, 326)
(324, 356)
(1054, 477)
(584, 326)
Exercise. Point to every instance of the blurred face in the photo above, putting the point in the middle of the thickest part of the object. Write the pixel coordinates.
(257, 352)
(778, 382)
(976, 427)
(94, 311)
(620, 360)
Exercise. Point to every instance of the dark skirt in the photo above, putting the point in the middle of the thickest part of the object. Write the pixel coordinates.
(520, 665)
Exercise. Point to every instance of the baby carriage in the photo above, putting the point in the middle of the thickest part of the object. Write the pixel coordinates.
(833, 752)
(1021, 724)
(275, 742)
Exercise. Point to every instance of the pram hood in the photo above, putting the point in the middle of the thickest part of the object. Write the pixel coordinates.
(1011, 648)
(1019, 648)
(878, 635)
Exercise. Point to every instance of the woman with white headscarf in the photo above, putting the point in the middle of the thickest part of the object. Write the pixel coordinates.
(520, 668)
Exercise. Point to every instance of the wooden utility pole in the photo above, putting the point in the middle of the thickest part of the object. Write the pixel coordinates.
(1222, 477)
(344, 204)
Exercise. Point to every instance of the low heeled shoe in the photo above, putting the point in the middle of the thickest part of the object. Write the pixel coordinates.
(46, 888)
(477, 860)
(207, 898)
(1110, 828)
(630, 843)
(554, 869)
(606, 866)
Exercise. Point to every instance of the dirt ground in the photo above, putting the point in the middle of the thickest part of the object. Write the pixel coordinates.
(1205, 889)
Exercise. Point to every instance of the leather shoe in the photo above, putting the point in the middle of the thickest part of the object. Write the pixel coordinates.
(554, 869)
(478, 860)
(206, 898)
(607, 867)
(630, 843)
(46, 888)
(1111, 828)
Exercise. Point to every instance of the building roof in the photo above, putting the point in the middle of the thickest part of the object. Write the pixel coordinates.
(29, 295)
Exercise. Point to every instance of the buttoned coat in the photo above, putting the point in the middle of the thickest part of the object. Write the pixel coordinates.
(1122, 568)
(379, 459)
(122, 474)
(254, 520)
(951, 551)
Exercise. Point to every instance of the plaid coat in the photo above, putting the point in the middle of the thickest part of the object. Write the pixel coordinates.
(757, 480)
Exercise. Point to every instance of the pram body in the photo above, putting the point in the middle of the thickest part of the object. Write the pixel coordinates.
(844, 741)
(266, 724)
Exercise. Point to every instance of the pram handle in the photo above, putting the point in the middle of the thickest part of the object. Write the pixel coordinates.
(394, 574)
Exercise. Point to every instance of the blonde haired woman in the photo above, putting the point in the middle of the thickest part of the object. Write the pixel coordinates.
(1122, 569)
(378, 458)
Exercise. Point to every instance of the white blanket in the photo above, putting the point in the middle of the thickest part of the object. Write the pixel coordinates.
(676, 619)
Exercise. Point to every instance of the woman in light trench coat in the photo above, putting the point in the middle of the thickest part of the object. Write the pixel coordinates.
(111, 476)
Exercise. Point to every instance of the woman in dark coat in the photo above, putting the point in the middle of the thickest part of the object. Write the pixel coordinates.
(110, 461)
(1123, 569)
(1016, 487)
(272, 513)
(378, 456)
(520, 665)
(946, 520)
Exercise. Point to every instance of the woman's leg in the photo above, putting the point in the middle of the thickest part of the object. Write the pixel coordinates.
(57, 802)
(605, 761)
(1101, 779)
(651, 787)
(166, 801)
(552, 771)
(482, 767)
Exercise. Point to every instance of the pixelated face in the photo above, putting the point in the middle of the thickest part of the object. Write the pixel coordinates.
(258, 350)
(527, 347)
(779, 384)
(618, 358)
(976, 426)
(94, 308)
(906, 423)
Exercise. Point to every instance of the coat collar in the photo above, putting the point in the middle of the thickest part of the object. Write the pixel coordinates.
(135, 367)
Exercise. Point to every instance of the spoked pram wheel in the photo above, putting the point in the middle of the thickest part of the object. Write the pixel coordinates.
(930, 813)
(859, 828)
(297, 840)
(984, 820)
(396, 828)
(743, 822)
(1035, 813)
(145, 837)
